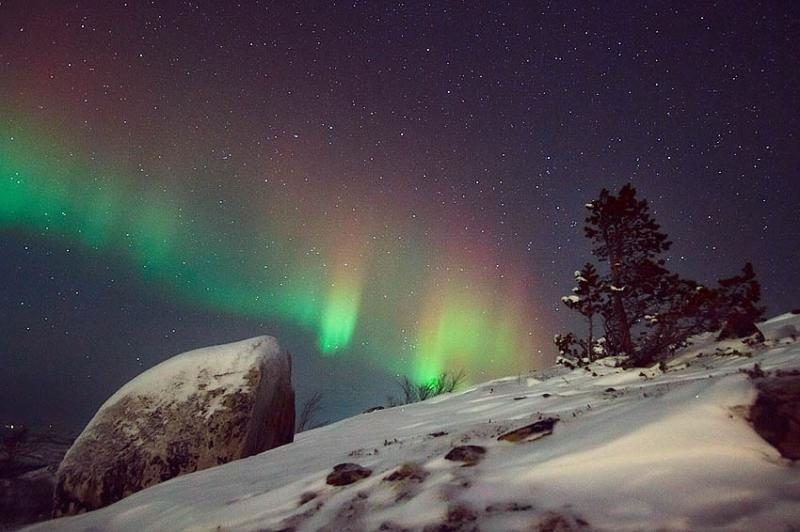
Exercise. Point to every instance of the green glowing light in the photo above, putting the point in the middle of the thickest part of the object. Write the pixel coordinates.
(49, 190)
(338, 320)
(459, 334)
(273, 265)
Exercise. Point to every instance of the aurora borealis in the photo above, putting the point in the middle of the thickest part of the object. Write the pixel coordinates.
(389, 189)
(466, 311)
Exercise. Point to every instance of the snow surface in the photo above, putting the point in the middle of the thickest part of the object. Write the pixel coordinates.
(634, 450)
(785, 327)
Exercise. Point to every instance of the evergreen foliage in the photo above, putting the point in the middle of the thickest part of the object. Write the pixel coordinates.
(741, 295)
(645, 310)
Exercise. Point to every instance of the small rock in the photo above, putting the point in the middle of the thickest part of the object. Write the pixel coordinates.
(557, 522)
(347, 473)
(469, 454)
(460, 518)
(530, 432)
(409, 471)
(545, 395)
(755, 373)
(509, 507)
(521, 398)
(363, 452)
(611, 389)
(438, 434)
(307, 496)
(460, 513)
(389, 526)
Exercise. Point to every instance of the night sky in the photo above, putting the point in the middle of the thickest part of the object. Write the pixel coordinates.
(387, 189)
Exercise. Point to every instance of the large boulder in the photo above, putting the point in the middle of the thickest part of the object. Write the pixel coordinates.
(775, 415)
(193, 411)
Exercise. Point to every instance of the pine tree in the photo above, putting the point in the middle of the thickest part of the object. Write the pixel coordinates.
(627, 237)
(740, 296)
(565, 343)
(587, 299)
(687, 308)
(646, 310)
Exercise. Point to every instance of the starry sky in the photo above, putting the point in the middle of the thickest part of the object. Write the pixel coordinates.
(390, 189)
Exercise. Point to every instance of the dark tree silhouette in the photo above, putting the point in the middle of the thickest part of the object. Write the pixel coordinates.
(687, 308)
(646, 310)
(627, 237)
(741, 295)
(446, 382)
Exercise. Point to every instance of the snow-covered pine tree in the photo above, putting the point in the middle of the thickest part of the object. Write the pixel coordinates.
(627, 237)
(646, 310)
(587, 299)
(686, 308)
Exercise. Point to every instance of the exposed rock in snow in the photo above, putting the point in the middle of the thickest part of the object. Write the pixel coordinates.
(530, 432)
(408, 471)
(468, 454)
(196, 410)
(344, 474)
(776, 413)
(671, 450)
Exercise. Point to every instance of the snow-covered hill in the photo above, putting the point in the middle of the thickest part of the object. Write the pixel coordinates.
(632, 450)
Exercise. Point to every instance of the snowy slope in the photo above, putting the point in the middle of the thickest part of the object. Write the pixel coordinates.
(632, 451)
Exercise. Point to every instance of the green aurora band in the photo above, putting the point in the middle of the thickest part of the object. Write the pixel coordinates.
(393, 302)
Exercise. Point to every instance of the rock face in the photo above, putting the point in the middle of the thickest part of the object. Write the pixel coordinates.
(193, 411)
(776, 413)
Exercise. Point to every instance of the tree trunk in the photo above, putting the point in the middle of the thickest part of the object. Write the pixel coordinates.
(590, 339)
(620, 316)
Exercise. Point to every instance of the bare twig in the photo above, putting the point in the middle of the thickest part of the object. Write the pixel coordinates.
(310, 408)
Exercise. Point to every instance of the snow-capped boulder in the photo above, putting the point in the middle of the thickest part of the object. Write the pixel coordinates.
(193, 411)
